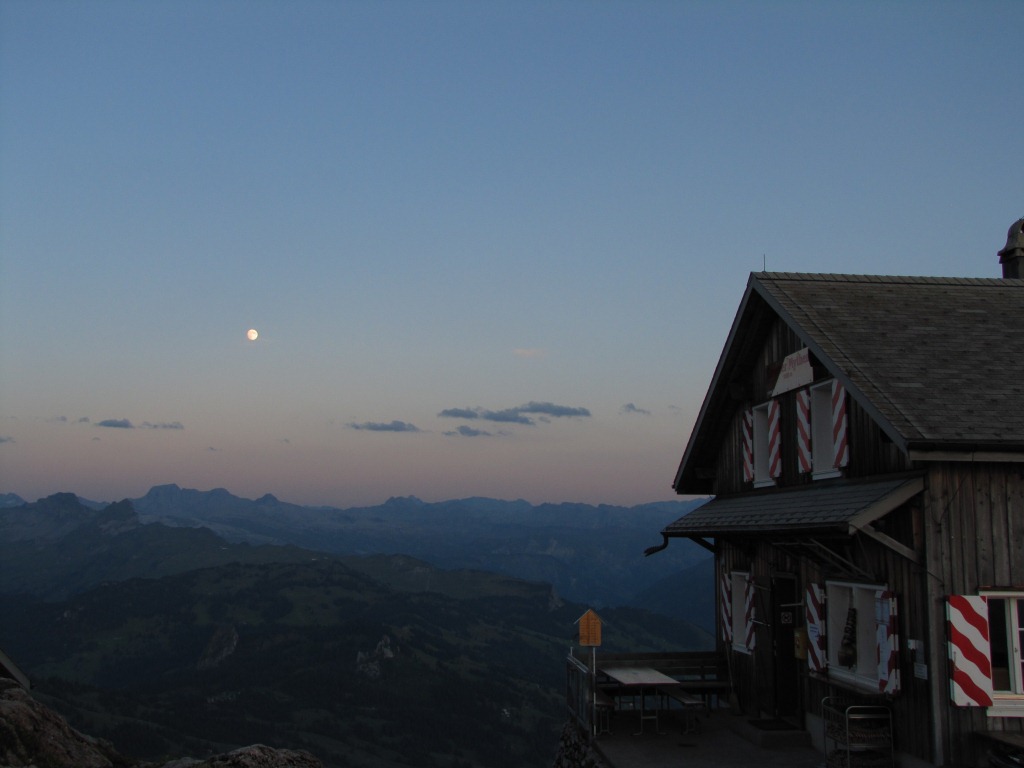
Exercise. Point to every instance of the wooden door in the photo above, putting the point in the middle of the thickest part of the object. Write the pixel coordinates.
(786, 613)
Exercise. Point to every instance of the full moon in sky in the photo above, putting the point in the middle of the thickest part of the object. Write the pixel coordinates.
(252, 334)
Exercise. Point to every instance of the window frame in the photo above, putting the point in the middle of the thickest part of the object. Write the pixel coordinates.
(761, 438)
(823, 450)
(1007, 702)
(865, 675)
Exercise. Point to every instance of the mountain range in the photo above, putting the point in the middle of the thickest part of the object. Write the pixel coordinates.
(589, 554)
(165, 638)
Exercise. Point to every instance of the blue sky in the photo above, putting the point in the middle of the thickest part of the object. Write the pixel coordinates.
(491, 248)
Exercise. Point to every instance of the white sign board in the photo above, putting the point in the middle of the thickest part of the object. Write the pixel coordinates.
(796, 372)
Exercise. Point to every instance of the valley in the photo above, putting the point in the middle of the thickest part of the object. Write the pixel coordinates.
(171, 640)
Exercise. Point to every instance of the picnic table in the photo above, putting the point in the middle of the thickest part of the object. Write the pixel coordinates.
(644, 679)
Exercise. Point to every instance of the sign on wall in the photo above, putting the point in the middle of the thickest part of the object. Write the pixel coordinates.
(796, 372)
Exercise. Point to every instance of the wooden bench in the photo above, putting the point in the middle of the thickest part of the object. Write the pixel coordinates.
(690, 707)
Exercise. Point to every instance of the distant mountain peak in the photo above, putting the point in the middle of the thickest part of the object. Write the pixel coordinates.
(10, 500)
(404, 501)
(163, 490)
(62, 499)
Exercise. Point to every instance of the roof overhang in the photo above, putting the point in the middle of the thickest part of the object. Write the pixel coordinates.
(833, 510)
(931, 453)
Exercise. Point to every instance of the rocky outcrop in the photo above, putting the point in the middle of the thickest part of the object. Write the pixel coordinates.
(576, 751)
(221, 645)
(33, 735)
(256, 756)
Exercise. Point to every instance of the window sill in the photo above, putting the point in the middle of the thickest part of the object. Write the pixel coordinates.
(850, 680)
(826, 474)
(766, 483)
(1006, 706)
(741, 649)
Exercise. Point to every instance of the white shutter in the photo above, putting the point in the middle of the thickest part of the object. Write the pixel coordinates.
(750, 614)
(887, 642)
(840, 444)
(748, 446)
(803, 431)
(970, 655)
(817, 656)
(725, 606)
(774, 439)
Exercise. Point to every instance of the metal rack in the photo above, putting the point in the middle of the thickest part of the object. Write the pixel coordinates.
(857, 735)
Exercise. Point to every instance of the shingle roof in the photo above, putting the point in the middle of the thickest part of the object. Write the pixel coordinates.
(826, 509)
(941, 359)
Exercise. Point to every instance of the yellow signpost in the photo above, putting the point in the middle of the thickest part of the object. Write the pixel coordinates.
(590, 629)
(590, 636)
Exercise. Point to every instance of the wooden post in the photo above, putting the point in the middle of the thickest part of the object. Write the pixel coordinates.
(590, 635)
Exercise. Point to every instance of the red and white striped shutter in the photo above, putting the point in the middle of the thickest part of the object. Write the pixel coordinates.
(725, 607)
(887, 641)
(748, 446)
(840, 446)
(774, 439)
(817, 658)
(970, 683)
(750, 614)
(803, 430)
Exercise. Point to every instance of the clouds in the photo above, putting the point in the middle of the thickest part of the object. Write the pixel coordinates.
(528, 414)
(631, 409)
(391, 426)
(115, 424)
(120, 423)
(464, 431)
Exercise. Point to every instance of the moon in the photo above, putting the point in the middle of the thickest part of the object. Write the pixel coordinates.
(252, 334)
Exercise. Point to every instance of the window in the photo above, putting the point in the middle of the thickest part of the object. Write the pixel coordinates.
(761, 476)
(828, 429)
(855, 632)
(766, 444)
(986, 634)
(1006, 635)
(822, 447)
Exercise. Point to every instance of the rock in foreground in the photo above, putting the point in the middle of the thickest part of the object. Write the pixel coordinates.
(32, 734)
(256, 756)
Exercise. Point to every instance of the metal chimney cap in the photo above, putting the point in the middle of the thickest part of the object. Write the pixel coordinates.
(1014, 241)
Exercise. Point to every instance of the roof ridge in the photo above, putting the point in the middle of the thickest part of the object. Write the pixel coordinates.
(839, 277)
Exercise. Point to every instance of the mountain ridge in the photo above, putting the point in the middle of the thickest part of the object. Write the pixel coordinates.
(592, 554)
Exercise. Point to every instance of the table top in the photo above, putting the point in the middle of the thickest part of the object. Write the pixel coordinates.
(638, 676)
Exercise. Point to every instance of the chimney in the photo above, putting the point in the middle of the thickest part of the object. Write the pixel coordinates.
(1012, 256)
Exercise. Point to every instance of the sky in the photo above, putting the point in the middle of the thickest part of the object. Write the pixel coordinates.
(490, 248)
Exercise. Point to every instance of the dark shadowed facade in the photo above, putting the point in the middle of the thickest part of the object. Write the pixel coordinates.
(863, 438)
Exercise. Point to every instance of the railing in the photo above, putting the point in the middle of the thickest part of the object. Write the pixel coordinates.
(578, 697)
